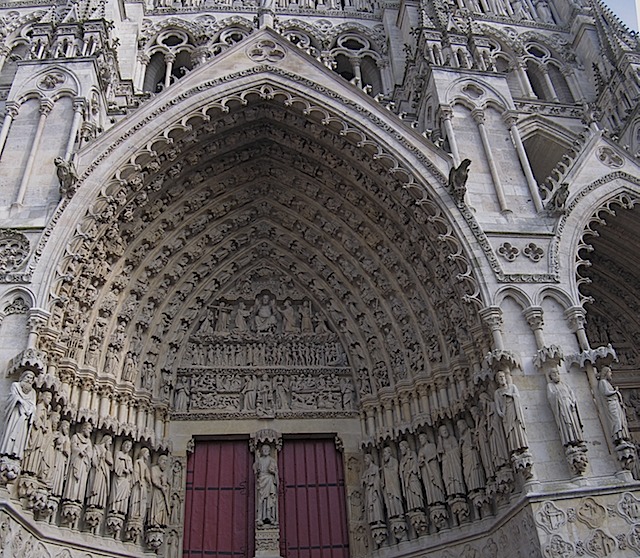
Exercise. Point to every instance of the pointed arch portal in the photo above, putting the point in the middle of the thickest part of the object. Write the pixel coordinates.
(251, 250)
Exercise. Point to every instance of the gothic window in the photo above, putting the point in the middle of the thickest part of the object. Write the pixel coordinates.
(18, 53)
(536, 80)
(357, 61)
(560, 84)
(170, 59)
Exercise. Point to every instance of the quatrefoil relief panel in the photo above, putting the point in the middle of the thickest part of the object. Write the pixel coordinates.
(265, 50)
(508, 251)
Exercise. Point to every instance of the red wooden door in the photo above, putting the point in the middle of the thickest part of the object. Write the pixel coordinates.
(219, 507)
(313, 518)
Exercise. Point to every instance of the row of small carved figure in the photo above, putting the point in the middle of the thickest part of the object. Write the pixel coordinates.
(433, 484)
(349, 5)
(68, 477)
(266, 354)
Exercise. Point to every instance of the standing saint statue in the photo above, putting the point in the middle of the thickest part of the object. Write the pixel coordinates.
(160, 486)
(62, 449)
(122, 477)
(102, 462)
(430, 470)
(613, 407)
(565, 409)
(19, 409)
(266, 470)
(79, 464)
(140, 486)
(451, 461)
(508, 408)
(372, 491)
(412, 488)
(391, 483)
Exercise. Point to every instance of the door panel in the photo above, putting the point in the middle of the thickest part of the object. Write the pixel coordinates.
(219, 508)
(313, 520)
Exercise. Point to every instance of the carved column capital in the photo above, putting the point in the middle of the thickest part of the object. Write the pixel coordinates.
(510, 118)
(446, 111)
(478, 115)
(46, 105)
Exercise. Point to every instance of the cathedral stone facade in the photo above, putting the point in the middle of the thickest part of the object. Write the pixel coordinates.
(319, 278)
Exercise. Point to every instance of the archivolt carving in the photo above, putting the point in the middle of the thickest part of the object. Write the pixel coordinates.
(331, 226)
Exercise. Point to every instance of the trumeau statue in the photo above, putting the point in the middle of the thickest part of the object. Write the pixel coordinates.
(391, 484)
(20, 407)
(266, 470)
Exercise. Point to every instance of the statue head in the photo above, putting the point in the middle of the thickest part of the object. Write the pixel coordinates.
(126, 446)
(144, 454)
(64, 427)
(265, 450)
(554, 375)
(163, 461)
(86, 428)
(386, 453)
(501, 378)
(444, 431)
(423, 438)
(404, 447)
(26, 380)
(605, 373)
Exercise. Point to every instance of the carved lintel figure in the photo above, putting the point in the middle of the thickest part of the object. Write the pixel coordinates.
(181, 395)
(372, 491)
(451, 462)
(67, 176)
(289, 318)
(391, 484)
(240, 321)
(266, 470)
(613, 407)
(411, 485)
(20, 407)
(249, 393)
(430, 469)
(458, 177)
(160, 486)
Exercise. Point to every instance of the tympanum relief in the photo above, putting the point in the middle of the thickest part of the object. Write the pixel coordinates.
(266, 353)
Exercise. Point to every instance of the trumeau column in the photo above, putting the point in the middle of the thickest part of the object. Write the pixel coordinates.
(265, 444)
(511, 119)
(447, 114)
(478, 116)
(46, 106)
